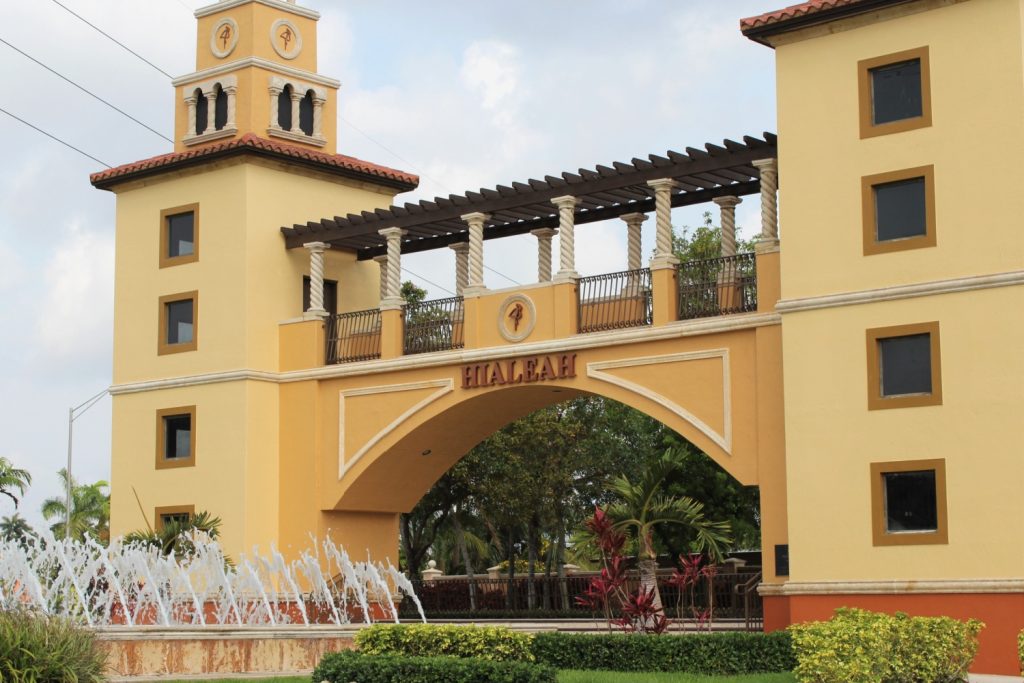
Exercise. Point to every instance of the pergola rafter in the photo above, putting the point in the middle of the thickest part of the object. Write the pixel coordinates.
(603, 193)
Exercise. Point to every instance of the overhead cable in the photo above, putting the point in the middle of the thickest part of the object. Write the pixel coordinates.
(54, 137)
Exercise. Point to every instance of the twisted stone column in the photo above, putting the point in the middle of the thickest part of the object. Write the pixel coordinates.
(393, 298)
(566, 238)
(663, 255)
(475, 221)
(634, 226)
(382, 261)
(544, 236)
(727, 205)
(769, 170)
(316, 277)
(461, 266)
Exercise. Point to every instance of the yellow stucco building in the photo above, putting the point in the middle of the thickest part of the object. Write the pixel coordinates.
(863, 370)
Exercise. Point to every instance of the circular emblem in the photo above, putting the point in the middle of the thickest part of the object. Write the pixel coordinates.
(286, 39)
(224, 38)
(516, 317)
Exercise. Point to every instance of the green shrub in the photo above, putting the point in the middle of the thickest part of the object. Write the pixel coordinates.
(343, 667)
(39, 649)
(704, 653)
(857, 646)
(491, 643)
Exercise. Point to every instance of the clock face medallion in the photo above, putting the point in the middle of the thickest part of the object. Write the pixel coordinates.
(286, 39)
(224, 37)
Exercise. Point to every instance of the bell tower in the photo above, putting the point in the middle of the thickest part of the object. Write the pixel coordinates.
(256, 73)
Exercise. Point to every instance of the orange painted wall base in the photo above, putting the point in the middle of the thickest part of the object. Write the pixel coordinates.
(1003, 614)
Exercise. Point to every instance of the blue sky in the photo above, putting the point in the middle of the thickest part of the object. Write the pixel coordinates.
(468, 95)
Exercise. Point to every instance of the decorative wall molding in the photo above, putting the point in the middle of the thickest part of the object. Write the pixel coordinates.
(275, 67)
(444, 387)
(964, 284)
(190, 140)
(595, 340)
(296, 137)
(897, 587)
(286, 5)
(531, 312)
(723, 441)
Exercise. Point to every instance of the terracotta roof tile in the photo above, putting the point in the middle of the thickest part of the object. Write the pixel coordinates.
(793, 12)
(250, 142)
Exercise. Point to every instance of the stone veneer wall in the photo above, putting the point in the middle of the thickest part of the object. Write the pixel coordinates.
(219, 650)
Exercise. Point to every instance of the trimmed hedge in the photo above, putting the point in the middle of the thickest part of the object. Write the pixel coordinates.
(344, 667)
(698, 653)
(35, 648)
(857, 646)
(492, 643)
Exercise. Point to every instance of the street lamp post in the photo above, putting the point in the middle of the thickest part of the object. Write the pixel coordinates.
(74, 414)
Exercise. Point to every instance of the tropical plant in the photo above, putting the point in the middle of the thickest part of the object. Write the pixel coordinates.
(176, 537)
(36, 648)
(15, 529)
(642, 506)
(90, 510)
(12, 478)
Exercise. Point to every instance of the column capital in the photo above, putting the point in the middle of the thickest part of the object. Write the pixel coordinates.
(634, 218)
(275, 91)
(297, 96)
(212, 95)
(392, 233)
(566, 201)
(544, 233)
(316, 247)
(727, 202)
(190, 100)
(460, 247)
(663, 184)
(383, 258)
(771, 165)
(475, 217)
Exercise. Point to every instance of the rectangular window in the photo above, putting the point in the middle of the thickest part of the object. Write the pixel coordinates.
(181, 514)
(909, 502)
(176, 437)
(898, 210)
(903, 366)
(895, 93)
(179, 235)
(178, 322)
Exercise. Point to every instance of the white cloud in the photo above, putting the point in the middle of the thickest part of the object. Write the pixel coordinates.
(76, 312)
(491, 69)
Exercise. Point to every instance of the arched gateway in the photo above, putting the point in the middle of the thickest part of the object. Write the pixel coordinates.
(274, 377)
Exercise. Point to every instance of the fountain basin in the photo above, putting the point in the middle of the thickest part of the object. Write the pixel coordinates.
(144, 651)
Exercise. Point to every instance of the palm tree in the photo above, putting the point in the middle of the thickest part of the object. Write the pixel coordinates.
(90, 510)
(16, 529)
(13, 478)
(642, 506)
(175, 537)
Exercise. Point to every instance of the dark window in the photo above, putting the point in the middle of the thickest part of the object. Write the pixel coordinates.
(306, 113)
(900, 209)
(179, 518)
(910, 501)
(220, 109)
(905, 365)
(330, 295)
(179, 321)
(782, 559)
(896, 92)
(284, 108)
(202, 112)
(177, 436)
(181, 235)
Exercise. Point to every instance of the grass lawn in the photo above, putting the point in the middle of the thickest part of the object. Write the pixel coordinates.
(616, 677)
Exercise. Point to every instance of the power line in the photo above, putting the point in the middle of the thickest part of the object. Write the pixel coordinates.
(104, 33)
(432, 284)
(54, 137)
(498, 272)
(86, 91)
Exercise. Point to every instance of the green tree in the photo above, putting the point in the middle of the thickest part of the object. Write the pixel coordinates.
(90, 510)
(643, 506)
(11, 479)
(411, 293)
(704, 241)
(16, 529)
(175, 538)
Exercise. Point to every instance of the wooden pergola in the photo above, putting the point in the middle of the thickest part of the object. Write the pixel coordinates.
(605, 192)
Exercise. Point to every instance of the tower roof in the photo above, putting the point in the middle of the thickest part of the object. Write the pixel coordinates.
(250, 144)
(759, 28)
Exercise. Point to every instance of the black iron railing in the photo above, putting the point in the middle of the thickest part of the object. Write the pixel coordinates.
(353, 336)
(717, 286)
(434, 325)
(734, 597)
(615, 300)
